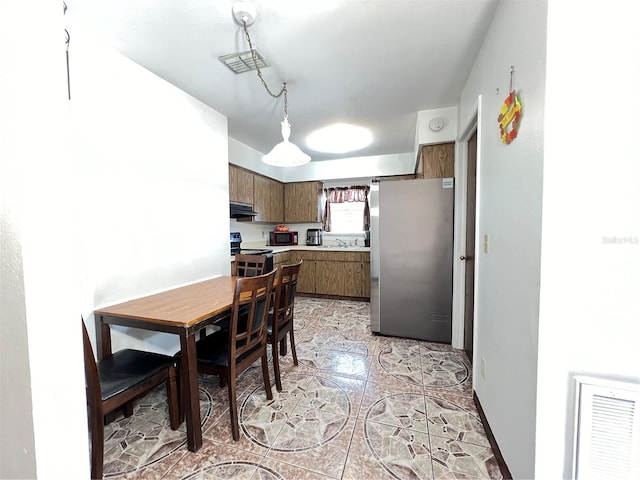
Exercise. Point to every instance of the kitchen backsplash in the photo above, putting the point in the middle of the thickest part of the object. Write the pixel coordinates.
(255, 235)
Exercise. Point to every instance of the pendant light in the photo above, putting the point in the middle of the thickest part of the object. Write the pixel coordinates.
(285, 153)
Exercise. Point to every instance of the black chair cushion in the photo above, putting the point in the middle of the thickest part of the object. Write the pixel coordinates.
(243, 314)
(214, 349)
(127, 368)
(270, 325)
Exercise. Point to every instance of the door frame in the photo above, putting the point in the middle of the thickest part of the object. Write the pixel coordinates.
(461, 157)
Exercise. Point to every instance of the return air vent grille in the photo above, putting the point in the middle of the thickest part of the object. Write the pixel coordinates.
(243, 62)
(607, 430)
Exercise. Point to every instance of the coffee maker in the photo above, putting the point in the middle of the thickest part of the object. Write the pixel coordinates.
(314, 237)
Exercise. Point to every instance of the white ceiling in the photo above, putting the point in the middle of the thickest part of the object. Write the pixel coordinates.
(374, 63)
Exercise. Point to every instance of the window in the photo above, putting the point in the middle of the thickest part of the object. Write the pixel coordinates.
(347, 217)
(346, 210)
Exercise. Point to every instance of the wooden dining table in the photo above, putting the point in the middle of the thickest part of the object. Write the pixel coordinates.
(182, 311)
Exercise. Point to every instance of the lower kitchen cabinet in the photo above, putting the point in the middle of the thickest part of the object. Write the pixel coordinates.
(339, 278)
(282, 258)
(307, 277)
(344, 274)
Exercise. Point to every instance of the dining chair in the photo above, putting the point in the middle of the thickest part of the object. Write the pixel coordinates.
(228, 353)
(280, 320)
(245, 265)
(116, 381)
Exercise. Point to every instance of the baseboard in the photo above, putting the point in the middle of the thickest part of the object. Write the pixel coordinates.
(506, 474)
(332, 297)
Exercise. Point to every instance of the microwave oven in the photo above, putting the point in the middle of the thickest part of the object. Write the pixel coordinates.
(284, 238)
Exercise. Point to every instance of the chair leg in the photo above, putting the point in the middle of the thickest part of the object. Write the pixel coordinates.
(293, 347)
(276, 366)
(172, 400)
(128, 409)
(110, 417)
(265, 374)
(233, 408)
(96, 423)
(283, 347)
(182, 401)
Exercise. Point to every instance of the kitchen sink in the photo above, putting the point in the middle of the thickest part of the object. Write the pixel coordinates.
(341, 246)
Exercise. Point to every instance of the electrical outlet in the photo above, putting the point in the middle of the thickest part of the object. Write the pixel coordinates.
(483, 368)
(485, 243)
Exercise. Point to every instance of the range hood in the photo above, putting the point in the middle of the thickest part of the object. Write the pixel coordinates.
(239, 210)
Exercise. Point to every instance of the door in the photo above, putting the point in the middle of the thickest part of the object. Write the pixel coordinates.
(470, 244)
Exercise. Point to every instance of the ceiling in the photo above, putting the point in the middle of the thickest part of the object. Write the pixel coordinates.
(373, 63)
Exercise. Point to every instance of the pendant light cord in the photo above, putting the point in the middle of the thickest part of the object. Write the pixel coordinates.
(283, 90)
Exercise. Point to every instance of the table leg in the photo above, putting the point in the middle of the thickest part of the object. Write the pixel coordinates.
(103, 337)
(189, 387)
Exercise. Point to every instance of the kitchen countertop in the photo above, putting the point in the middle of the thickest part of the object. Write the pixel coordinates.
(321, 248)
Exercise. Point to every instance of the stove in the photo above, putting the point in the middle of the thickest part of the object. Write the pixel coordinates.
(236, 241)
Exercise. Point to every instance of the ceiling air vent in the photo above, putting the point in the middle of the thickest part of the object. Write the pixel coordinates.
(243, 61)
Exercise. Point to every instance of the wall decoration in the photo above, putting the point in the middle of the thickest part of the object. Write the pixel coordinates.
(67, 40)
(510, 115)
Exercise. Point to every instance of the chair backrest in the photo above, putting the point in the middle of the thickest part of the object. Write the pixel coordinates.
(252, 298)
(94, 392)
(245, 265)
(285, 295)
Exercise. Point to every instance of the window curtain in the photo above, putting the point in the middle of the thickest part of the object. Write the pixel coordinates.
(358, 193)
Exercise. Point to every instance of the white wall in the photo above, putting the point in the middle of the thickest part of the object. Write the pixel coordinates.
(509, 210)
(589, 302)
(151, 211)
(350, 167)
(244, 156)
(426, 136)
(353, 167)
(118, 200)
(42, 400)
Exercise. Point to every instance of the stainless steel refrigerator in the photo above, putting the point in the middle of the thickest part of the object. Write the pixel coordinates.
(412, 258)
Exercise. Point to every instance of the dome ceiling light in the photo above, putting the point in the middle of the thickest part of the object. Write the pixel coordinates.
(339, 138)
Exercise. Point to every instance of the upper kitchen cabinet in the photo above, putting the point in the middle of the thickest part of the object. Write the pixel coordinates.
(303, 202)
(436, 161)
(240, 185)
(268, 199)
(263, 193)
(277, 201)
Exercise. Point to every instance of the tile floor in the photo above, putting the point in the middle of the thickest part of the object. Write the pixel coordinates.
(358, 406)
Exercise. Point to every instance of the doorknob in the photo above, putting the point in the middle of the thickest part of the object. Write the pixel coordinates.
(462, 257)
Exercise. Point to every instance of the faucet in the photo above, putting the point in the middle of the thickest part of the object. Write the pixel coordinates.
(341, 242)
